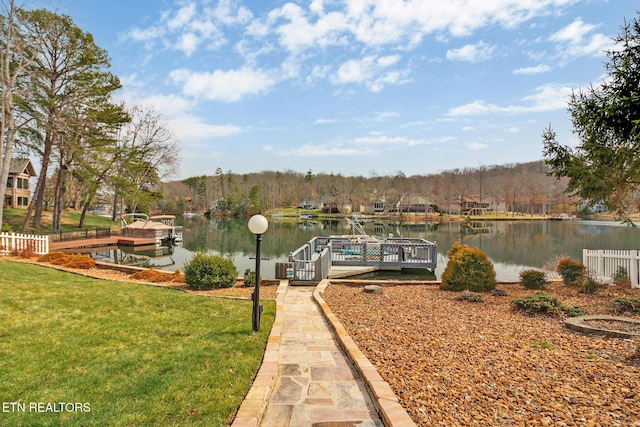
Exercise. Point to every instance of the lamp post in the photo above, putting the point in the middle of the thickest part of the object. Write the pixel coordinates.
(257, 225)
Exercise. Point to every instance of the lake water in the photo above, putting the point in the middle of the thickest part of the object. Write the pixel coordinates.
(511, 245)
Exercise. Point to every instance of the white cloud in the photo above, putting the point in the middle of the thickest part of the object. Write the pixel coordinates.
(371, 71)
(471, 52)
(323, 121)
(189, 128)
(188, 43)
(182, 18)
(574, 32)
(231, 12)
(476, 146)
(226, 86)
(533, 70)
(166, 105)
(474, 108)
(324, 150)
(576, 40)
(547, 97)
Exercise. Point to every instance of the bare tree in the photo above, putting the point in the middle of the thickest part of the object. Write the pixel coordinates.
(149, 154)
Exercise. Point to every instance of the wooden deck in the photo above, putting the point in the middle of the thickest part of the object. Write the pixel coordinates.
(105, 241)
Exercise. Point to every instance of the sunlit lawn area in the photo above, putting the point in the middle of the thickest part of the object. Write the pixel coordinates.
(132, 354)
(69, 222)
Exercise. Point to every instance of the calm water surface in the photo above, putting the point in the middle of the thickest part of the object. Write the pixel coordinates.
(511, 245)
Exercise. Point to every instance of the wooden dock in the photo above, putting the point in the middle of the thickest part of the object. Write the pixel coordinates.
(102, 242)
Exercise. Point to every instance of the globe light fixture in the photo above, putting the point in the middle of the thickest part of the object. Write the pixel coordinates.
(258, 224)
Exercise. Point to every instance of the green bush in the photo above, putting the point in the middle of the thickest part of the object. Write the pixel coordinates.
(209, 272)
(627, 304)
(249, 277)
(543, 303)
(468, 269)
(573, 273)
(533, 279)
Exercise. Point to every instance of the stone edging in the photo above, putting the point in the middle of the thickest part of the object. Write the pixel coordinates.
(578, 324)
(385, 400)
(255, 402)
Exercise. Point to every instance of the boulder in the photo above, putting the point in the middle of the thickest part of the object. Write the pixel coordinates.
(373, 289)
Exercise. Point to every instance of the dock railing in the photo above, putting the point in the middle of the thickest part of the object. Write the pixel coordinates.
(604, 264)
(15, 242)
(312, 261)
(83, 234)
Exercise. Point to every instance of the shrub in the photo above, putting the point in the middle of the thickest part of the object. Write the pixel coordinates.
(27, 253)
(468, 269)
(470, 296)
(590, 286)
(572, 272)
(249, 277)
(533, 279)
(210, 272)
(631, 305)
(543, 303)
(621, 277)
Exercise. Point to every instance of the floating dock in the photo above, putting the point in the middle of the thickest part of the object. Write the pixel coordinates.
(343, 256)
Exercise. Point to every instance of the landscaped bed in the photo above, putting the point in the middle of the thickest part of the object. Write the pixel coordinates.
(459, 363)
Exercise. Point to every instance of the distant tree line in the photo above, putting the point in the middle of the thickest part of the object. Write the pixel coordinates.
(516, 188)
(57, 105)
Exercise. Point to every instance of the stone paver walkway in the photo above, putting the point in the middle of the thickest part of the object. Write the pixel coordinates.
(317, 384)
(308, 377)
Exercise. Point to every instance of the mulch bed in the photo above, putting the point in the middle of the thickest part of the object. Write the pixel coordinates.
(458, 363)
(267, 288)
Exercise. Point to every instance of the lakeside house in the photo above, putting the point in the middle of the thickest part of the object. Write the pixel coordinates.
(18, 193)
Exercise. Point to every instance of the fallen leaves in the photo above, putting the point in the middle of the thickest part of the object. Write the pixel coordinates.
(452, 362)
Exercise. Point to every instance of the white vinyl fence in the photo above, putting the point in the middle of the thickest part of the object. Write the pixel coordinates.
(10, 242)
(604, 263)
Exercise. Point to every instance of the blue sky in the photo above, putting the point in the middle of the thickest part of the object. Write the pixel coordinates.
(358, 87)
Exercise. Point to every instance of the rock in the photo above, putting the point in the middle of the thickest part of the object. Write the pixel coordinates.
(499, 293)
(373, 289)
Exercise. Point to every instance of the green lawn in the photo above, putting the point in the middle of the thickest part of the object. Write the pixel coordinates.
(127, 354)
(69, 221)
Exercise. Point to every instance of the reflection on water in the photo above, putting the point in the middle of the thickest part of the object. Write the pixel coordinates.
(511, 245)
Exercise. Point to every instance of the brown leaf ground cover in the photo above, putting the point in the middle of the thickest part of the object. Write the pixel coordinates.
(267, 289)
(458, 363)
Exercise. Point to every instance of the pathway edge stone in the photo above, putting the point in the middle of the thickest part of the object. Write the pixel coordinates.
(254, 404)
(387, 403)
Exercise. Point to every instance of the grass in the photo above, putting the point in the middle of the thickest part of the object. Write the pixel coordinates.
(132, 354)
(69, 221)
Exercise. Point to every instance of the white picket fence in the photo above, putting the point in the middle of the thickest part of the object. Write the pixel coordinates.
(10, 242)
(603, 264)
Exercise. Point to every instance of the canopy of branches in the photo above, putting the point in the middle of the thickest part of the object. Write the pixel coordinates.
(605, 166)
